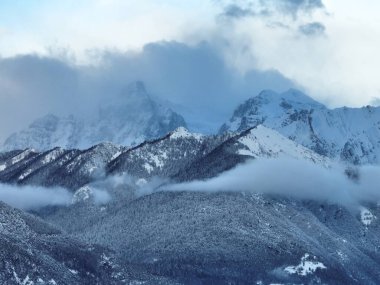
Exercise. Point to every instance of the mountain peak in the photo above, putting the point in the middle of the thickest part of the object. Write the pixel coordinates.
(298, 96)
(349, 134)
(182, 132)
(291, 95)
(47, 120)
(128, 120)
(136, 87)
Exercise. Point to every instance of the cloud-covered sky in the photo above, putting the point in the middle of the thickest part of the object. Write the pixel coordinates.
(57, 56)
(189, 79)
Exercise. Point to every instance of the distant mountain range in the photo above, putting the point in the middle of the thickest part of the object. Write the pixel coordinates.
(133, 118)
(348, 134)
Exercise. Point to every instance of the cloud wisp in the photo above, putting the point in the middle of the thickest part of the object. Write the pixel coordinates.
(33, 197)
(259, 8)
(312, 29)
(292, 178)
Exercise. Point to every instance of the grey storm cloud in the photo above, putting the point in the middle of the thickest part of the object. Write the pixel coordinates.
(240, 9)
(191, 78)
(236, 11)
(31, 86)
(312, 29)
(294, 6)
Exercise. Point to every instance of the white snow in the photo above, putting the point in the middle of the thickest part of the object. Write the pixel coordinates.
(2, 167)
(342, 256)
(117, 154)
(132, 119)
(157, 161)
(82, 194)
(73, 271)
(148, 167)
(25, 281)
(91, 169)
(51, 156)
(182, 132)
(106, 260)
(25, 174)
(298, 117)
(307, 266)
(366, 216)
(21, 156)
(137, 282)
(141, 182)
(265, 142)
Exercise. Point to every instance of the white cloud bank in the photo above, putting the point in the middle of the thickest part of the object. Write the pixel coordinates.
(33, 197)
(293, 178)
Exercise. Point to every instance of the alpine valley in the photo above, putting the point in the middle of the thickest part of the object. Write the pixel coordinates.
(123, 224)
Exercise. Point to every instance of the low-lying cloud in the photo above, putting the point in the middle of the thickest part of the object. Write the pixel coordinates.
(293, 178)
(33, 197)
(125, 185)
(90, 194)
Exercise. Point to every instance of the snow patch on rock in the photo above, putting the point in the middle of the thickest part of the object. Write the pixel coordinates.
(307, 266)
(366, 216)
(182, 132)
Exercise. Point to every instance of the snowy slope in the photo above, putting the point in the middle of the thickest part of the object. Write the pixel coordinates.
(74, 168)
(166, 156)
(349, 134)
(264, 142)
(46, 133)
(57, 167)
(129, 120)
(180, 154)
(256, 142)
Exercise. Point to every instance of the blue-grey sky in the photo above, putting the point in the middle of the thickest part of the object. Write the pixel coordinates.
(192, 53)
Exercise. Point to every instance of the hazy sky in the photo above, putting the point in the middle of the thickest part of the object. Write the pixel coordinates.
(49, 49)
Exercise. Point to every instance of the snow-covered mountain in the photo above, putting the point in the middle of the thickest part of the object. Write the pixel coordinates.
(179, 237)
(57, 167)
(350, 134)
(163, 157)
(256, 142)
(166, 156)
(128, 120)
(179, 155)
